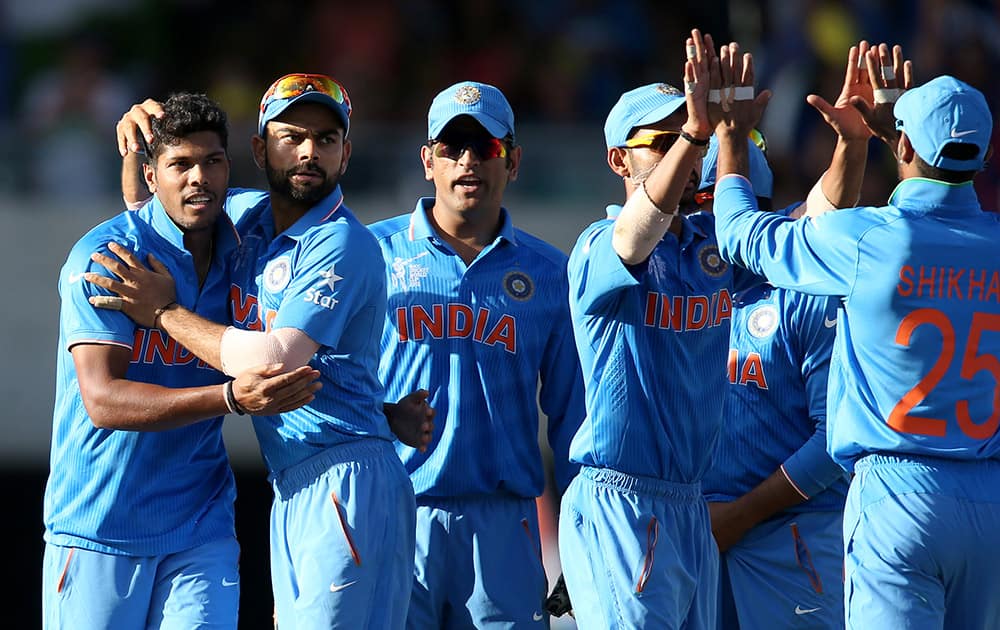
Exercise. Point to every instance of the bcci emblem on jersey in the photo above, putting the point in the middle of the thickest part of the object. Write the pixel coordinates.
(711, 262)
(519, 286)
(277, 274)
(763, 321)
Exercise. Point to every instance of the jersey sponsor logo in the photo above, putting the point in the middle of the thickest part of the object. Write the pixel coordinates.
(406, 273)
(456, 321)
(748, 370)
(277, 274)
(763, 321)
(711, 261)
(155, 347)
(949, 283)
(519, 286)
(313, 296)
(686, 313)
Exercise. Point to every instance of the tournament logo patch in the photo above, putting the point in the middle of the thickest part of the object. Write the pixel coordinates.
(277, 274)
(467, 95)
(669, 90)
(519, 285)
(763, 321)
(711, 261)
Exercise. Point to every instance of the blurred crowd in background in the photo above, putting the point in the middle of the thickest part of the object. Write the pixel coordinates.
(70, 68)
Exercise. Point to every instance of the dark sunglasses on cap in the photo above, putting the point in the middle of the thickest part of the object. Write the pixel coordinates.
(486, 147)
(292, 85)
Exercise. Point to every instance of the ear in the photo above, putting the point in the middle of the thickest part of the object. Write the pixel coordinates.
(345, 157)
(427, 159)
(149, 174)
(258, 146)
(904, 150)
(515, 163)
(618, 161)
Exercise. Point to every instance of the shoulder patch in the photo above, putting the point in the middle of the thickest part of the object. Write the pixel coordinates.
(763, 321)
(277, 274)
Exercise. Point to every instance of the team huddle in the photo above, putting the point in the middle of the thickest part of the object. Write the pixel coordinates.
(759, 418)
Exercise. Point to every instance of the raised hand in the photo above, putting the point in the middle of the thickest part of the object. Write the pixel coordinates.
(697, 83)
(890, 75)
(740, 109)
(142, 291)
(842, 116)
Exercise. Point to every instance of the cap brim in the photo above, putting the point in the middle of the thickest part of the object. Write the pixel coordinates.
(277, 108)
(496, 128)
(661, 112)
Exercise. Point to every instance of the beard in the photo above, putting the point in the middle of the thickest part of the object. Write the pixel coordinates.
(281, 182)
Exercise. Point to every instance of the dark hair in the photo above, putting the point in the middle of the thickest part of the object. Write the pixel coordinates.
(955, 151)
(184, 114)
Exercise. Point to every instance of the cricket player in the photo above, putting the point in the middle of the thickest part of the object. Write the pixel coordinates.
(914, 379)
(478, 314)
(651, 302)
(138, 508)
(308, 287)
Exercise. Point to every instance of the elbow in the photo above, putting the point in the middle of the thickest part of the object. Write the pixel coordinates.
(626, 248)
(102, 411)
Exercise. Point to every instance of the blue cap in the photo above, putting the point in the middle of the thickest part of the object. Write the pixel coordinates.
(483, 102)
(941, 112)
(760, 172)
(304, 88)
(641, 106)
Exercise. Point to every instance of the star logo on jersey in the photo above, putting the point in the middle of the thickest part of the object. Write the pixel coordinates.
(277, 274)
(711, 261)
(330, 277)
(763, 321)
(519, 286)
(406, 274)
(467, 95)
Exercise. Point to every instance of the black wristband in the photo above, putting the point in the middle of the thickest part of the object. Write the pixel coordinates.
(695, 141)
(231, 404)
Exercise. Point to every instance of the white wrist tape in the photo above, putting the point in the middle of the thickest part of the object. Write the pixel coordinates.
(886, 95)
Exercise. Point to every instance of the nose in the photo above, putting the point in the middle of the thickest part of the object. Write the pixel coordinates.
(308, 150)
(469, 156)
(198, 175)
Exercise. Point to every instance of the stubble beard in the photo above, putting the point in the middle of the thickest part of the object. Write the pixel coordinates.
(280, 182)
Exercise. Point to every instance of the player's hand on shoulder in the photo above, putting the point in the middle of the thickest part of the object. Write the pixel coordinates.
(135, 123)
(412, 419)
(143, 290)
(267, 390)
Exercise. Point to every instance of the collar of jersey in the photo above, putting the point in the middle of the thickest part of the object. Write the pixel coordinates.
(919, 193)
(226, 238)
(325, 210)
(420, 226)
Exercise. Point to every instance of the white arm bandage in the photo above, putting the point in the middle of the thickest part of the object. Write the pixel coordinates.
(243, 349)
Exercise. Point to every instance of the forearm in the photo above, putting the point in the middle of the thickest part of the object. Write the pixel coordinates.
(649, 210)
(201, 336)
(840, 185)
(132, 406)
(134, 188)
(773, 495)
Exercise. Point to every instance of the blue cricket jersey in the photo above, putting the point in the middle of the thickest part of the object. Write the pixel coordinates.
(479, 337)
(652, 340)
(324, 276)
(915, 365)
(775, 409)
(135, 492)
